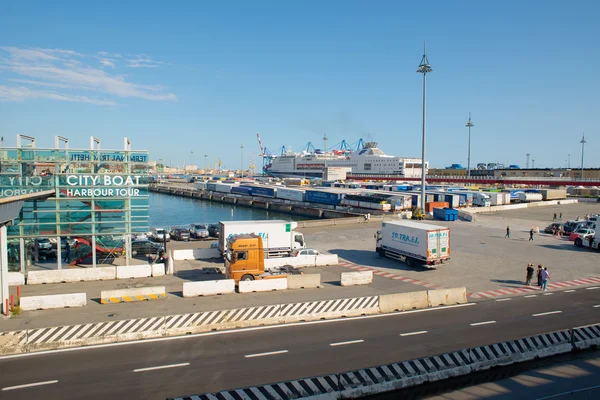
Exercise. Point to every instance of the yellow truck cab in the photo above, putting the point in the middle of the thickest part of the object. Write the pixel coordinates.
(245, 260)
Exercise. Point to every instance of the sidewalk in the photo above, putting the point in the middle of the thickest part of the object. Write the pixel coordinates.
(176, 304)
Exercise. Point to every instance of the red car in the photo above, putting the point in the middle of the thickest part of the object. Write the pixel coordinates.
(581, 233)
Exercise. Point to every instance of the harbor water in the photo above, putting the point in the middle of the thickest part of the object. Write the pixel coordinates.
(167, 210)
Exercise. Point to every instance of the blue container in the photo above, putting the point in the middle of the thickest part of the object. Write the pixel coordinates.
(211, 186)
(241, 190)
(263, 191)
(317, 196)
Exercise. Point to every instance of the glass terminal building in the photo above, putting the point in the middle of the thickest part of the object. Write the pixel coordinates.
(100, 200)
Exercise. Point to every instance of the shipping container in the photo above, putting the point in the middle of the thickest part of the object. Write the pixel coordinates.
(319, 196)
(200, 185)
(435, 204)
(445, 214)
(263, 191)
(290, 194)
(211, 186)
(223, 187)
(553, 194)
(241, 190)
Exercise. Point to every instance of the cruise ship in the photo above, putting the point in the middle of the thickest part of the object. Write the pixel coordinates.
(369, 160)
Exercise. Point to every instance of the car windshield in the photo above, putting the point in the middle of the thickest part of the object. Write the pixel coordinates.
(199, 226)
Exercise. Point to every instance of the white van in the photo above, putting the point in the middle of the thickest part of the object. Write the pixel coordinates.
(159, 235)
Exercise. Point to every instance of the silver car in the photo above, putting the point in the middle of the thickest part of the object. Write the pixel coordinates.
(199, 231)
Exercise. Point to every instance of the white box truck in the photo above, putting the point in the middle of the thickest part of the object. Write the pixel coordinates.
(278, 236)
(415, 243)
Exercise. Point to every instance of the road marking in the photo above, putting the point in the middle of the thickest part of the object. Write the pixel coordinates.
(592, 288)
(27, 385)
(233, 331)
(482, 323)
(596, 306)
(345, 343)
(570, 291)
(531, 295)
(548, 294)
(503, 299)
(161, 367)
(271, 353)
(547, 313)
(571, 392)
(413, 333)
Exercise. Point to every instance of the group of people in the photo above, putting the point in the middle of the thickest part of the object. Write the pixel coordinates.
(531, 233)
(560, 217)
(542, 276)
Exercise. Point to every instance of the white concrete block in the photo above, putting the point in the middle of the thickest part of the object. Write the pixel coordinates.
(403, 301)
(304, 281)
(207, 288)
(127, 295)
(326, 259)
(356, 278)
(30, 303)
(16, 279)
(134, 271)
(263, 285)
(297, 262)
(158, 269)
(88, 274)
(456, 296)
(184, 254)
(39, 277)
(206, 254)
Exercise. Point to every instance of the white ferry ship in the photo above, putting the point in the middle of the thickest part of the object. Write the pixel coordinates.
(369, 160)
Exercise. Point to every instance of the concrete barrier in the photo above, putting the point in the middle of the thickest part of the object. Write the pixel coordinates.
(302, 261)
(131, 295)
(356, 278)
(403, 301)
(15, 279)
(88, 274)
(263, 285)
(40, 277)
(158, 269)
(196, 254)
(208, 288)
(133, 271)
(326, 259)
(438, 297)
(304, 281)
(31, 303)
(456, 296)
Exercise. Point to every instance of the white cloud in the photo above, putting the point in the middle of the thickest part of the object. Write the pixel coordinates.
(21, 93)
(71, 71)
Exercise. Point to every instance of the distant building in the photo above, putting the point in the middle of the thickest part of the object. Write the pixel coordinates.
(190, 167)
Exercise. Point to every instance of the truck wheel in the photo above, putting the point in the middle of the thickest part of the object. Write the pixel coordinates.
(247, 277)
(578, 242)
(409, 262)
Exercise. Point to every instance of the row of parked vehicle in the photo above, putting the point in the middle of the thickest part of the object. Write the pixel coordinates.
(195, 231)
(579, 231)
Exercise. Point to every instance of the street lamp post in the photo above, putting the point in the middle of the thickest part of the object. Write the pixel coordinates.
(205, 164)
(469, 125)
(424, 68)
(242, 161)
(582, 148)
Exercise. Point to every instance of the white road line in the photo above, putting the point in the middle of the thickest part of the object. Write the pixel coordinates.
(548, 294)
(547, 313)
(596, 306)
(531, 295)
(161, 367)
(271, 353)
(592, 288)
(345, 343)
(483, 323)
(230, 331)
(413, 333)
(570, 291)
(27, 385)
(503, 299)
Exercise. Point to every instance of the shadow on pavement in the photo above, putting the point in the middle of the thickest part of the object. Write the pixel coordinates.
(205, 274)
(570, 247)
(508, 282)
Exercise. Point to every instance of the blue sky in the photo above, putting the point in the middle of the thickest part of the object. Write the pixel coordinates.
(184, 79)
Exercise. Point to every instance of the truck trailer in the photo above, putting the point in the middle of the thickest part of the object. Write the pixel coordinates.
(278, 237)
(415, 243)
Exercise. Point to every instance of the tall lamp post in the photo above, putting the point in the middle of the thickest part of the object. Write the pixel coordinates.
(424, 68)
(205, 164)
(242, 160)
(582, 148)
(469, 125)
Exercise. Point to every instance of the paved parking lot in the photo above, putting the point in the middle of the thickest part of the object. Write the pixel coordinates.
(482, 259)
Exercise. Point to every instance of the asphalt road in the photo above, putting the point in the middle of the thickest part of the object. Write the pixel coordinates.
(159, 368)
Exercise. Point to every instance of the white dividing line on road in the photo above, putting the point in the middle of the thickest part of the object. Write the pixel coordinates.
(271, 353)
(503, 299)
(230, 331)
(592, 288)
(570, 291)
(531, 295)
(413, 333)
(548, 294)
(28, 385)
(483, 323)
(161, 367)
(546, 313)
(345, 343)
(596, 306)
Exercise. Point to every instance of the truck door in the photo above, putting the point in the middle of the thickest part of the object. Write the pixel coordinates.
(298, 238)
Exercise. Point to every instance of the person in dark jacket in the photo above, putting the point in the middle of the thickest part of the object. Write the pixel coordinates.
(529, 275)
(507, 232)
(539, 275)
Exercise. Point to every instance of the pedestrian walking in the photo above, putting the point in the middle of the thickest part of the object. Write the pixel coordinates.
(67, 253)
(545, 278)
(554, 217)
(507, 232)
(529, 274)
(560, 217)
(531, 234)
(539, 275)
(590, 240)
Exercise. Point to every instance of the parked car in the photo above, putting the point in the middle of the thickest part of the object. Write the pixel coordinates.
(213, 230)
(554, 225)
(139, 236)
(199, 231)
(144, 247)
(44, 243)
(581, 233)
(159, 234)
(571, 226)
(307, 252)
(180, 234)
